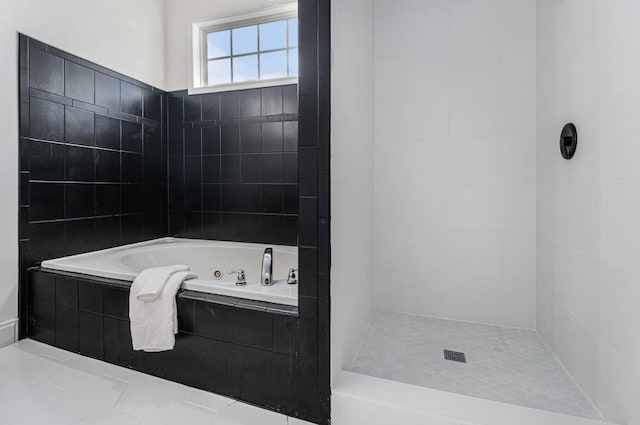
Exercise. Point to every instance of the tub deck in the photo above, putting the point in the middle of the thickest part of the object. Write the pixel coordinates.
(204, 258)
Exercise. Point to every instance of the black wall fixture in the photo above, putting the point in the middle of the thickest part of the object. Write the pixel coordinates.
(568, 141)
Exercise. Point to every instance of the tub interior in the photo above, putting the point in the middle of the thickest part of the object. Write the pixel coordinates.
(204, 261)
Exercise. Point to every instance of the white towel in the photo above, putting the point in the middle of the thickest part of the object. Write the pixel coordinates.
(149, 284)
(155, 323)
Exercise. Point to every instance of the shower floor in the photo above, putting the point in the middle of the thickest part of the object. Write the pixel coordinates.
(503, 364)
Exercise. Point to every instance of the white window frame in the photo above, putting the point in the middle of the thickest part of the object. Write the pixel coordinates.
(200, 30)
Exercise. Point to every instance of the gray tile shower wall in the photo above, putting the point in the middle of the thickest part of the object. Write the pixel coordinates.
(233, 165)
(92, 158)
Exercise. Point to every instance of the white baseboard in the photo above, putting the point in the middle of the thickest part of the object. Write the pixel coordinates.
(8, 332)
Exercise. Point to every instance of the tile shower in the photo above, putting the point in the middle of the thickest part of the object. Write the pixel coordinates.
(481, 235)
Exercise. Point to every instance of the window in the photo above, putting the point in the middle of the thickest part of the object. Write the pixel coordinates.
(252, 50)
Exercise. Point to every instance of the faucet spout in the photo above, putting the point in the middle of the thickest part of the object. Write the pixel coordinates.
(266, 276)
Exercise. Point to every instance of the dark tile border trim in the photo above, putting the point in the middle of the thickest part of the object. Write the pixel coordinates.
(314, 130)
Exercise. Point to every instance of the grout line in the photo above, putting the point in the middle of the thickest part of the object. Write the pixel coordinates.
(592, 331)
(570, 375)
(456, 320)
(364, 334)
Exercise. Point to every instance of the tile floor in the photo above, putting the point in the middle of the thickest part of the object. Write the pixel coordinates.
(42, 385)
(508, 365)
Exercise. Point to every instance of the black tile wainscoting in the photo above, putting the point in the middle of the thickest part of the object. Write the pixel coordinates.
(233, 165)
(96, 170)
(258, 352)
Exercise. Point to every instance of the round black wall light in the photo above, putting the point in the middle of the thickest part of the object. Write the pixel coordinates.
(568, 141)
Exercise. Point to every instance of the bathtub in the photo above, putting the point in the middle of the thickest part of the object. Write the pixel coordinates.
(210, 261)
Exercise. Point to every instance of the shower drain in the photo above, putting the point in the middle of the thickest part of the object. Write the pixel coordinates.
(454, 356)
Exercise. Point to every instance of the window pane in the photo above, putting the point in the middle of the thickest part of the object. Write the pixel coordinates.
(245, 40)
(273, 35)
(293, 32)
(219, 72)
(218, 44)
(273, 65)
(293, 62)
(245, 68)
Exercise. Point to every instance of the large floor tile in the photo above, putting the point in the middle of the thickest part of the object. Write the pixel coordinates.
(179, 414)
(146, 397)
(243, 414)
(25, 402)
(32, 347)
(82, 401)
(42, 369)
(12, 354)
(100, 368)
(109, 417)
(42, 385)
(208, 400)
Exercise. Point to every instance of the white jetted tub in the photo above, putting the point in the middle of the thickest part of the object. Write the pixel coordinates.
(209, 260)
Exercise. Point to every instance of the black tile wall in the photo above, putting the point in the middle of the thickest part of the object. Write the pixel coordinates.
(117, 342)
(42, 319)
(314, 129)
(252, 375)
(150, 363)
(82, 158)
(215, 128)
(231, 162)
(107, 91)
(90, 335)
(66, 320)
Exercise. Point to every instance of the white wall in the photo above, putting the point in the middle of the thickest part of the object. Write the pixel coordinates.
(589, 208)
(180, 14)
(455, 159)
(120, 34)
(351, 177)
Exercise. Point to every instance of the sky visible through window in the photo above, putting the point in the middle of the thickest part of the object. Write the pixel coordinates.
(252, 53)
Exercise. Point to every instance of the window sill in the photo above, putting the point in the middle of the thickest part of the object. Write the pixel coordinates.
(243, 86)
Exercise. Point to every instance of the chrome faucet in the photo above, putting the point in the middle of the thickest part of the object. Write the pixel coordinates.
(291, 278)
(241, 279)
(266, 277)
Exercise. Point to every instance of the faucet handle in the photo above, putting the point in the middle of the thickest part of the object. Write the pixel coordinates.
(291, 278)
(241, 280)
